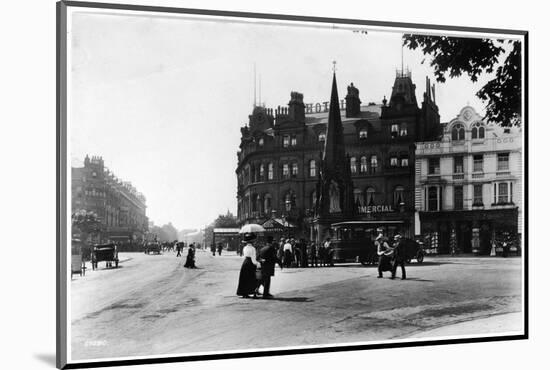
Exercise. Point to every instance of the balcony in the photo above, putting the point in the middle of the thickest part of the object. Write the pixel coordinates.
(458, 176)
(478, 175)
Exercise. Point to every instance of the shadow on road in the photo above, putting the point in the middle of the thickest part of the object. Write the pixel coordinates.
(291, 299)
(417, 279)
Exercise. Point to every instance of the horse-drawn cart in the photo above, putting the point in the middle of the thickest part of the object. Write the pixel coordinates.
(105, 252)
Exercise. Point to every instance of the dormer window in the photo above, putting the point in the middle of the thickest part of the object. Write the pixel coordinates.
(322, 137)
(363, 133)
(286, 141)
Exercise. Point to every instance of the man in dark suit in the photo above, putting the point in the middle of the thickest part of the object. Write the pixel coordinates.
(398, 257)
(268, 259)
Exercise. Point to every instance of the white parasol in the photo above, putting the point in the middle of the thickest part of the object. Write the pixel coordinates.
(251, 228)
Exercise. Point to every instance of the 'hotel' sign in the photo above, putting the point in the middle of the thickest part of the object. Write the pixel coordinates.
(322, 107)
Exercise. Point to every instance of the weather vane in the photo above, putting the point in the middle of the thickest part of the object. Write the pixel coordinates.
(334, 66)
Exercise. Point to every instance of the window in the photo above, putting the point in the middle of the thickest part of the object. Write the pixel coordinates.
(403, 130)
(363, 133)
(404, 162)
(288, 202)
(270, 171)
(286, 172)
(373, 164)
(313, 199)
(254, 203)
(433, 199)
(94, 174)
(478, 131)
(353, 164)
(293, 140)
(294, 172)
(503, 192)
(399, 196)
(433, 166)
(393, 161)
(261, 141)
(478, 163)
(267, 203)
(322, 137)
(394, 130)
(503, 163)
(370, 196)
(363, 164)
(262, 172)
(286, 141)
(358, 197)
(457, 132)
(458, 164)
(459, 197)
(478, 195)
(312, 168)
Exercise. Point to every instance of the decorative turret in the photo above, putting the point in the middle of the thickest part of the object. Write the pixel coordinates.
(353, 103)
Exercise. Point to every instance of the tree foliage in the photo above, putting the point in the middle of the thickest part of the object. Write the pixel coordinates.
(454, 56)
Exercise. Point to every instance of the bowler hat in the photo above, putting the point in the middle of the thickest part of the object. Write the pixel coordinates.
(249, 237)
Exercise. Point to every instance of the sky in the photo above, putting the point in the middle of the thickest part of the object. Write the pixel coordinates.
(162, 98)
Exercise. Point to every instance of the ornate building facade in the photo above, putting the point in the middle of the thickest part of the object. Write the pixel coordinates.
(120, 207)
(282, 150)
(468, 184)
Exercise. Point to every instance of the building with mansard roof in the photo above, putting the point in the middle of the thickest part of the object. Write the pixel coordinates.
(120, 207)
(469, 185)
(366, 147)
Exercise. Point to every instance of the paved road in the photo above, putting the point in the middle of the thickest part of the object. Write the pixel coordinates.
(153, 305)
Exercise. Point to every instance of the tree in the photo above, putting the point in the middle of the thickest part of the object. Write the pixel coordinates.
(455, 56)
(87, 222)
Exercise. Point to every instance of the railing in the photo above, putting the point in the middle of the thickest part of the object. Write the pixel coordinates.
(478, 175)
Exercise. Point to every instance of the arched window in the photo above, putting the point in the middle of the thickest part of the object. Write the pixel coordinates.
(270, 171)
(290, 200)
(353, 164)
(363, 164)
(457, 132)
(294, 171)
(370, 196)
(254, 203)
(286, 171)
(358, 197)
(262, 172)
(259, 204)
(312, 168)
(313, 199)
(322, 137)
(373, 163)
(478, 131)
(267, 203)
(286, 141)
(399, 196)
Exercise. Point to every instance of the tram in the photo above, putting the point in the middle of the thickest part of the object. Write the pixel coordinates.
(353, 241)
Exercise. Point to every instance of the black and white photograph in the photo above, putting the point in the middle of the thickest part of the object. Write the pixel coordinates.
(243, 184)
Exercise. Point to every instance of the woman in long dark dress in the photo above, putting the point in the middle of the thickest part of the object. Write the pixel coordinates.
(247, 276)
(190, 261)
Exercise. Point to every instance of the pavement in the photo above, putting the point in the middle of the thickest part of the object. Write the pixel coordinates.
(152, 305)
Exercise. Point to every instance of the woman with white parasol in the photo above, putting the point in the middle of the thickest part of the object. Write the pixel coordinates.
(247, 276)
